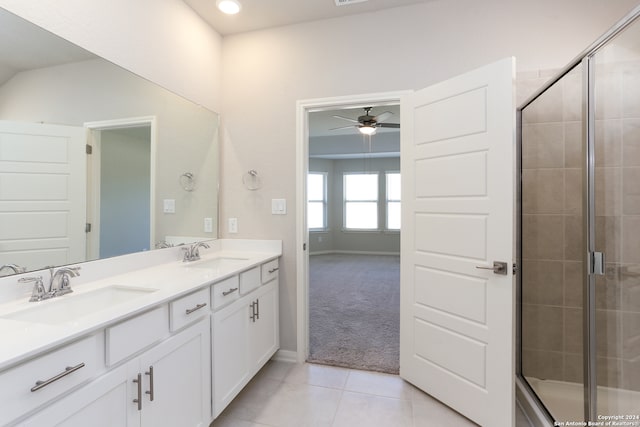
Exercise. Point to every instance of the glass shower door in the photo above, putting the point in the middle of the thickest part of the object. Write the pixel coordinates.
(616, 88)
(552, 262)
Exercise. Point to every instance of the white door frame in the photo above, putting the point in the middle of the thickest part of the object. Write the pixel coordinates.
(303, 108)
(93, 204)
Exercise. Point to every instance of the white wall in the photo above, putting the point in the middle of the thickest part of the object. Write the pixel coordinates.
(163, 41)
(266, 72)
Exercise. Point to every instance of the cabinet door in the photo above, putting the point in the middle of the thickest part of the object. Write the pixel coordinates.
(264, 337)
(230, 361)
(176, 378)
(104, 402)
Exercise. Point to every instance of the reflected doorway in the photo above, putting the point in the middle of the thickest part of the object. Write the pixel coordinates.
(119, 188)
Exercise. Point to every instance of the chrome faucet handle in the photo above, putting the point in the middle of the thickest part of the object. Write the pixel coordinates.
(187, 254)
(38, 293)
(60, 280)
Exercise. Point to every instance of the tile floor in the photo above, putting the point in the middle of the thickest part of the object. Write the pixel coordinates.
(294, 395)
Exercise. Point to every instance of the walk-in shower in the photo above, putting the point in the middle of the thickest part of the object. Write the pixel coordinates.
(579, 237)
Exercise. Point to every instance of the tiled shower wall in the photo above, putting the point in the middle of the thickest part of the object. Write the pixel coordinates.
(552, 228)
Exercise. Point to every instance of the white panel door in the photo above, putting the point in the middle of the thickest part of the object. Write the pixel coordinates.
(42, 194)
(457, 321)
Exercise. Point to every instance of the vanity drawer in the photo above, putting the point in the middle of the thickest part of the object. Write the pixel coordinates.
(269, 270)
(133, 335)
(225, 291)
(188, 309)
(249, 280)
(34, 383)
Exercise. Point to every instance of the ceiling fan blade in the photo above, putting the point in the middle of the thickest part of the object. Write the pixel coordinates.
(345, 127)
(388, 125)
(346, 118)
(383, 116)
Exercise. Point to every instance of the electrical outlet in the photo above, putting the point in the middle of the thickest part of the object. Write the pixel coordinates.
(233, 225)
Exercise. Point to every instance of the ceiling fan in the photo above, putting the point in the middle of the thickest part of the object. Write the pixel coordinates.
(368, 124)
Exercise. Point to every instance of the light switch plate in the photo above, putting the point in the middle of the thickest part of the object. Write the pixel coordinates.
(169, 206)
(208, 225)
(279, 206)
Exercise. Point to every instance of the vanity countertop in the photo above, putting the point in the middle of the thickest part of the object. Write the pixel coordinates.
(157, 285)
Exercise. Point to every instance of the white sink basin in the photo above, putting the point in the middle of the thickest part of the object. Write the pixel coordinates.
(217, 263)
(71, 307)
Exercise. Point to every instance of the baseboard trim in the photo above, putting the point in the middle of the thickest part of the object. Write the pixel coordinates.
(285, 356)
(353, 253)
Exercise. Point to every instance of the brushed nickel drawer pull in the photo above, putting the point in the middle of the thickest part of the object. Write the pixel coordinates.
(230, 291)
(196, 308)
(150, 391)
(138, 381)
(273, 270)
(68, 370)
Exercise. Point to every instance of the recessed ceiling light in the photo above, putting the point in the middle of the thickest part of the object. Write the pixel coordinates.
(230, 7)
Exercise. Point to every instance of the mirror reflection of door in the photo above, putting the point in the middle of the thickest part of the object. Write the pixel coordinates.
(120, 191)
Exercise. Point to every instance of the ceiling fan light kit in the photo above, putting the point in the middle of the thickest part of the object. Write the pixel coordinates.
(230, 7)
(367, 130)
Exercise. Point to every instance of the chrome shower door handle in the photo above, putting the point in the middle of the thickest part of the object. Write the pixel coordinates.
(499, 267)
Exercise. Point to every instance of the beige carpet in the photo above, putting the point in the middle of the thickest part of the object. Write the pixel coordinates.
(354, 311)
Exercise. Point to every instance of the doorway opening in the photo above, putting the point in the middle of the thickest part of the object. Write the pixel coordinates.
(120, 187)
(350, 223)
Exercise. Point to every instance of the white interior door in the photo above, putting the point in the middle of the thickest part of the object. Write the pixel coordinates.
(42, 194)
(457, 321)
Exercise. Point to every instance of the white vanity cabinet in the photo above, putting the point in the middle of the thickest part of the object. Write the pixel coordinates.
(173, 389)
(245, 335)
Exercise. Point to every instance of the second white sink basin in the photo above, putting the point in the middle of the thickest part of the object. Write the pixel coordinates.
(71, 307)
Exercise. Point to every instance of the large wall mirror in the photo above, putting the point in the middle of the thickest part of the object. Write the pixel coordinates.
(95, 161)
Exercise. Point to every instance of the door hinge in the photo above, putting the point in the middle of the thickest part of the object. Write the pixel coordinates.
(87, 227)
(89, 149)
(304, 246)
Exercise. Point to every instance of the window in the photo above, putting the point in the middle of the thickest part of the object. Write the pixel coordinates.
(317, 201)
(361, 201)
(393, 200)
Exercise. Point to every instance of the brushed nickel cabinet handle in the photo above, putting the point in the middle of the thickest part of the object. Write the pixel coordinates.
(257, 309)
(273, 270)
(138, 381)
(150, 391)
(253, 311)
(230, 291)
(196, 308)
(68, 370)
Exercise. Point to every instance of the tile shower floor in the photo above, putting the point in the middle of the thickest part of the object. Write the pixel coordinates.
(298, 395)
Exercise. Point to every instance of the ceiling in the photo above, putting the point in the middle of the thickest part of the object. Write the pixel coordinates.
(38, 49)
(261, 14)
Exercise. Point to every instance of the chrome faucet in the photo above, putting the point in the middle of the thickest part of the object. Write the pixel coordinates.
(59, 283)
(192, 253)
(15, 267)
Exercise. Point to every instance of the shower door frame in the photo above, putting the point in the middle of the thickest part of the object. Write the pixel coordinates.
(588, 174)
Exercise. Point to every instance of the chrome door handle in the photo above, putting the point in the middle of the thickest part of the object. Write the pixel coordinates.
(229, 292)
(68, 370)
(499, 267)
(138, 381)
(150, 391)
(196, 308)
